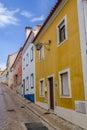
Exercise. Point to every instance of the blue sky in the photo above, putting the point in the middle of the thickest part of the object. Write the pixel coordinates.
(15, 15)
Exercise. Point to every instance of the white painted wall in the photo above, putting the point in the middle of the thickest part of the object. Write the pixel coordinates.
(28, 69)
(82, 17)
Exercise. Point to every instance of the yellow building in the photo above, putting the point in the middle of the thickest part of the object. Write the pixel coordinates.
(61, 61)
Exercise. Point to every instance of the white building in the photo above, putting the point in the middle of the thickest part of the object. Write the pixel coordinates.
(28, 64)
(3, 77)
(10, 61)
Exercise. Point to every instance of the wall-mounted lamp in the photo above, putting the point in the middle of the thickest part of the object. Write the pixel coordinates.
(39, 45)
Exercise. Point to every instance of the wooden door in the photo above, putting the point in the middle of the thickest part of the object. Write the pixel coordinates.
(51, 93)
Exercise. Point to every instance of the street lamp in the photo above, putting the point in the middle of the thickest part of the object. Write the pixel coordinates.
(39, 45)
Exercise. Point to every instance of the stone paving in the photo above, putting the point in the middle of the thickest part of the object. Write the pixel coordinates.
(15, 111)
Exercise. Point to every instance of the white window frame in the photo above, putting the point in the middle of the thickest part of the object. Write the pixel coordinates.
(41, 94)
(41, 53)
(27, 59)
(31, 53)
(58, 36)
(69, 84)
(23, 63)
(27, 83)
(32, 81)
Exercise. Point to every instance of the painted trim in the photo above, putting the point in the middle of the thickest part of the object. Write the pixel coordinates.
(60, 43)
(69, 83)
(32, 53)
(32, 77)
(40, 87)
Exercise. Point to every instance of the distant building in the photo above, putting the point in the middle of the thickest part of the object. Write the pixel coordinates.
(10, 61)
(3, 77)
(28, 64)
(17, 72)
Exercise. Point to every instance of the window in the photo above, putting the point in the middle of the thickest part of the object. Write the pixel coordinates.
(32, 81)
(31, 53)
(64, 79)
(27, 59)
(41, 87)
(27, 83)
(62, 31)
(23, 63)
(41, 54)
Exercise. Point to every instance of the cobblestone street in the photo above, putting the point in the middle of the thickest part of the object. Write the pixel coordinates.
(13, 113)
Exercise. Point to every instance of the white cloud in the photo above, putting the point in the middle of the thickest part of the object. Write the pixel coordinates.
(38, 18)
(2, 66)
(26, 14)
(7, 16)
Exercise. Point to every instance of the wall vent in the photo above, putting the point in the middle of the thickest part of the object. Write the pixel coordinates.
(80, 107)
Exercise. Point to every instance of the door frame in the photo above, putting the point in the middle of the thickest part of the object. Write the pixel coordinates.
(51, 76)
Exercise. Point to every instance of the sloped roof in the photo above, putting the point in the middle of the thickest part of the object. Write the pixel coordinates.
(49, 16)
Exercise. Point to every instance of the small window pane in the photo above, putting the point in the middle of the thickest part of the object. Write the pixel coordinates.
(42, 88)
(42, 53)
(32, 81)
(64, 84)
(62, 31)
(31, 54)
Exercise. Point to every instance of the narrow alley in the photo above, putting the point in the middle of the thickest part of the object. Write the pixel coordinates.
(13, 114)
(16, 113)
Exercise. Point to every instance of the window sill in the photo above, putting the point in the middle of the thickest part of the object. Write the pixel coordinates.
(41, 96)
(41, 59)
(61, 43)
(65, 96)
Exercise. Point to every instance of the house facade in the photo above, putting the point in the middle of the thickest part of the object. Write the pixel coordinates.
(3, 77)
(10, 61)
(17, 72)
(28, 65)
(61, 61)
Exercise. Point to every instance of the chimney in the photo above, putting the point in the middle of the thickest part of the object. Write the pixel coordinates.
(27, 30)
(36, 29)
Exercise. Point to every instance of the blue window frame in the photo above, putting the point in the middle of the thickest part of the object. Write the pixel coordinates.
(31, 53)
(32, 81)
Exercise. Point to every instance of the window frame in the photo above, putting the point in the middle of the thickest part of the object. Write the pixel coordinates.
(31, 53)
(32, 81)
(27, 83)
(58, 25)
(41, 53)
(69, 84)
(23, 63)
(41, 95)
(27, 59)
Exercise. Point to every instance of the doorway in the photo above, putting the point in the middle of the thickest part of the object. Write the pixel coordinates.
(51, 93)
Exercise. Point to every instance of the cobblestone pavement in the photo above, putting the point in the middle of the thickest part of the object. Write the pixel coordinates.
(13, 114)
(15, 111)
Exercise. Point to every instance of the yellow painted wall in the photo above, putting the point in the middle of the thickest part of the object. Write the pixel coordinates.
(67, 55)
